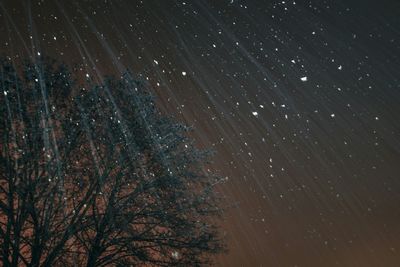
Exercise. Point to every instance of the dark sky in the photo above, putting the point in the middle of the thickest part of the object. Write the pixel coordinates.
(300, 100)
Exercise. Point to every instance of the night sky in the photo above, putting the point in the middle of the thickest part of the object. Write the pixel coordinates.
(299, 99)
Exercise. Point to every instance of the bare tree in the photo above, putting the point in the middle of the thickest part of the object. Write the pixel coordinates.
(96, 176)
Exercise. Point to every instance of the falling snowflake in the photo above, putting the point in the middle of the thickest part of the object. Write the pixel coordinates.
(175, 254)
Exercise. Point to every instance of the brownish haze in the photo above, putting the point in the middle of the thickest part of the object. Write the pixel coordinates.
(300, 99)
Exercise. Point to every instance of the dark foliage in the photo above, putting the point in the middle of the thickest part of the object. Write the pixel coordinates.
(96, 176)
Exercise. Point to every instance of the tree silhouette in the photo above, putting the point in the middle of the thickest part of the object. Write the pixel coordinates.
(94, 175)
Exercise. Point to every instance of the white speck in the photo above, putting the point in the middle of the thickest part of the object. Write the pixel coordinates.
(38, 53)
(5, 92)
(255, 113)
(214, 45)
(304, 79)
(261, 106)
(184, 73)
(377, 118)
(175, 254)
(155, 61)
(293, 61)
(340, 67)
(55, 38)
(87, 75)
(333, 115)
